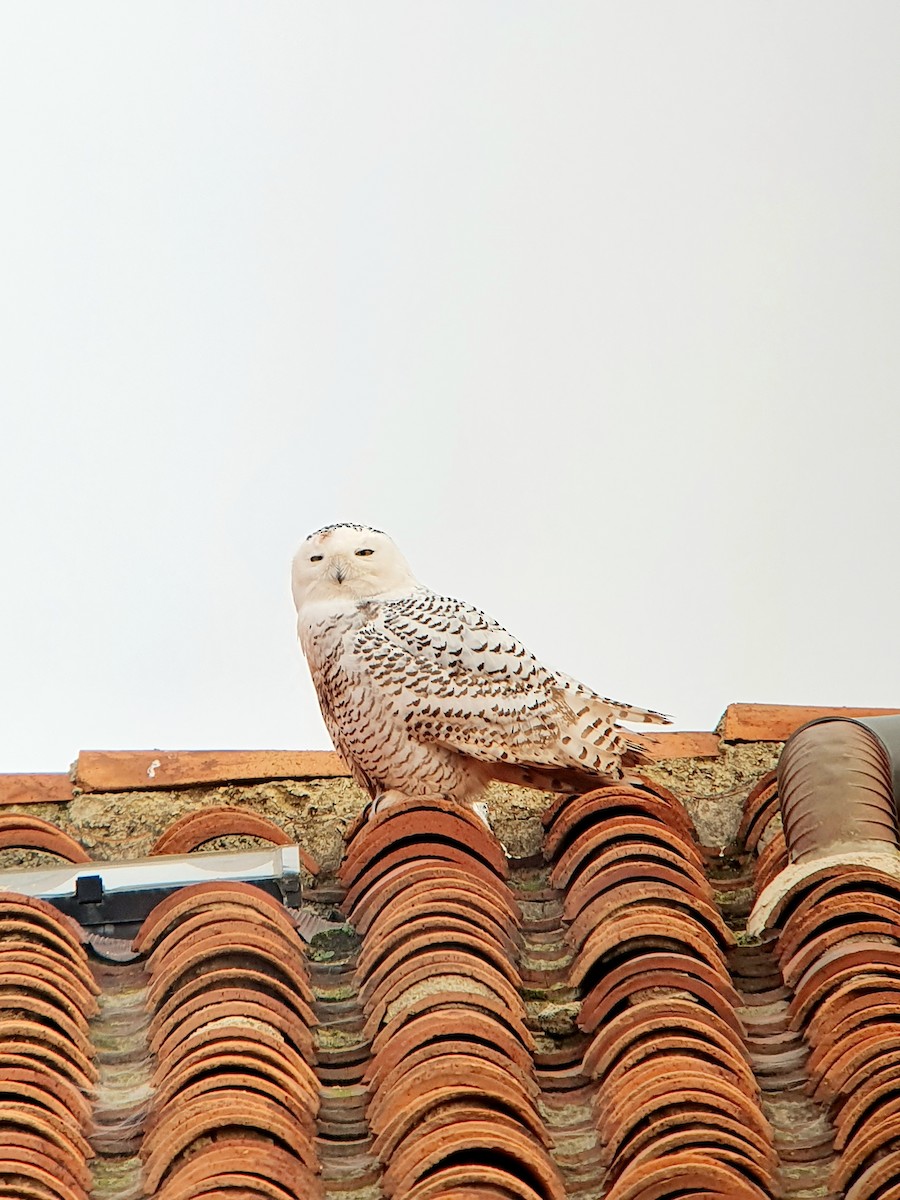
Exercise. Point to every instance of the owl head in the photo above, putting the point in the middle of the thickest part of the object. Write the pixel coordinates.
(348, 563)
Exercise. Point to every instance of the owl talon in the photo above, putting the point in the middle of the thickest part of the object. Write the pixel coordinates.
(382, 802)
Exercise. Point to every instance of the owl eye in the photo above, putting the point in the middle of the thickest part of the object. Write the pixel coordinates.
(364, 553)
(315, 558)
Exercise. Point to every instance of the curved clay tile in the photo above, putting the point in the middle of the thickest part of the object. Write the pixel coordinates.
(445, 1066)
(652, 1085)
(631, 871)
(210, 897)
(220, 949)
(19, 1185)
(850, 1063)
(25, 1004)
(640, 783)
(613, 804)
(482, 986)
(633, 859)
(854, 1013)
(240, 1047)
(215, 980)
(435, 854)
(275, 1174)
(419, 983)
(192, 830)
(209, 1004)
(364, 824)
(263, 1166)
(68, 968)
(45, 1087)
(838, 966)
(394, 1126)
(20, 1095)
(686, 1173)
(493, 896)
(20, 832)
(239, 1152)
(40, 1123)
(448, 1001)
(760, 807)
(852, 994)
(589, 845)
(879, 1179)
(15, 1140)
(832, 899)
(815, 947)
(42, 915)
(64, 992)
(666, 1050)
(24, 931)
(875, 1098)
(632, 895)
(226, 1084)
(386, 1080)
(74, 1176)
(663, 1015)
(771, 862)
(52, 1180)
(240, 1011)
(834, 780)
(648, 926)
(53, 970)
(182, 1124)
(496, 1145)
(829, 876)
(218, 1045)
(874, 1144)
(436, 903)
(601, 1003)
(424, 829)
(708, 1176)
(245, 925)
(447, 937)
(432, 1029)
(867, 890)
(470, 1181)
(228, 939)
(25, 1035)
(716, 1143)
(239, 1057)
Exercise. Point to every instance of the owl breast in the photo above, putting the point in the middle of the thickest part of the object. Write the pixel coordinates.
(374, 741)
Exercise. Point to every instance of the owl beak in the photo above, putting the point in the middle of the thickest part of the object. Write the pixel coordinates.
(339, 573)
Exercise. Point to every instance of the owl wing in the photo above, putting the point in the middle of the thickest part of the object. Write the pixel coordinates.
(458, 679)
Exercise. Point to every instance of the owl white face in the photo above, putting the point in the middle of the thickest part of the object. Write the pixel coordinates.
(346, 563)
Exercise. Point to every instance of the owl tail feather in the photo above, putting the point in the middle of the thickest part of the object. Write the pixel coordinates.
(640, 716)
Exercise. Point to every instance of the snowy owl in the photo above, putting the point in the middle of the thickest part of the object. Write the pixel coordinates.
(425, 695)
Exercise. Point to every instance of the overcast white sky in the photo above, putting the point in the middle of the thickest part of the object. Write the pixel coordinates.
(593, 306)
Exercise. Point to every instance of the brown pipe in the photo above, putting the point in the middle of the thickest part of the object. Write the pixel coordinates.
(835, 788)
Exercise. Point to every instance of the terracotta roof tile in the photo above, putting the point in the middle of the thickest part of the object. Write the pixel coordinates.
(591, 1022)
(776, 722)
(685, 1173)
(32, 833)
(452, 1084)
(666, 1068)
(133, 770)
(233, 1061)
(193, 829)
(36, 789)
(760, 807)
(45, 1052)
